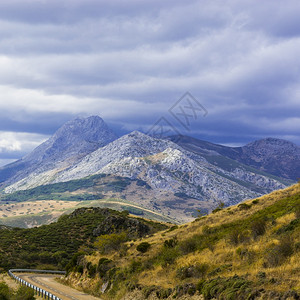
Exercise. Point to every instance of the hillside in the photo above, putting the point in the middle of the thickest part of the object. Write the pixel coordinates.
(44, 204)
(52, 246)
(248, 251)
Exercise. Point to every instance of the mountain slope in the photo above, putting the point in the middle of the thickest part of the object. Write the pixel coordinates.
(274, 156)
(182, 180)
(249, 251)
(71, 142)
(55, 244)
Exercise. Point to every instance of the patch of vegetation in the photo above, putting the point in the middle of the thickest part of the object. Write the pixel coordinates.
(110, 242)
(55, 244)
(22, 293)
(143, 247)
(62, 190)
(235, 287)
(277, 254)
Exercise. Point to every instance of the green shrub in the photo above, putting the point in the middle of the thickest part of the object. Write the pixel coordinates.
(4, 291)
(244, 206)
(171, 243)
(195, 271)
(245, 254)
(233, 237)
(220, 206)
(110, 242)
(277, 254)
(189, 245)
(143, 247)
(236, 237)
(207, 230)
(258, 228)
(135, 266)
(92, 269)
(297, 211)
(104, 265)
(232, 288)
(24, 293)
(173, 228)
(290, 227)
(167, 256)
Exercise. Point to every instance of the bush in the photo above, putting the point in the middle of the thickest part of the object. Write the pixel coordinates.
(258, 228)
(167, 256)
(135, 266)
(189, 245)
(236, 237)
(173, 228)
(4, 291)
(244, 206)
(225, 288)
(196, 271)
(92, 269)
(245, 254)
(24, 293)
(143, 247)
(171, 243)
(297, 211)
(104, 265)
(207, 230)
(277, 254)
(110, 242)
(220, 206)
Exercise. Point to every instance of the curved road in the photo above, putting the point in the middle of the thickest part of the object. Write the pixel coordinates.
(48, 283)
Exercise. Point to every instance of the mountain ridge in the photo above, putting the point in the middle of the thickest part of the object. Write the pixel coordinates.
(185, 176)
(272, 155)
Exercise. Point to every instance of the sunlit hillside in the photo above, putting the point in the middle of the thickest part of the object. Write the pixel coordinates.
(248, 251)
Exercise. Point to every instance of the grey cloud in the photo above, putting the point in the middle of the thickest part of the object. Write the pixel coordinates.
(130, 61)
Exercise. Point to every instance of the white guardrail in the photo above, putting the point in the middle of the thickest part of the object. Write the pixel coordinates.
(38, 291)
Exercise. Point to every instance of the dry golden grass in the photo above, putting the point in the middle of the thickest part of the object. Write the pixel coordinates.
(223, 256)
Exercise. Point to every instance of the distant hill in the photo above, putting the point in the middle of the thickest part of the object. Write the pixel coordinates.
(52, 246)
(274, 156)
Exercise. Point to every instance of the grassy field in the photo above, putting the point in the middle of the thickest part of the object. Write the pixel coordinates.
(44, 204)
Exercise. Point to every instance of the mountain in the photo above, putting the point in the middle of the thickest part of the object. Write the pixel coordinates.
(274, 156)
(247, 251)
(74, 140)
(178, 181)
(172, 180)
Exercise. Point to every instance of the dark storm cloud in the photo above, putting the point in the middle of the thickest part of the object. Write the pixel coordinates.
(129, 61)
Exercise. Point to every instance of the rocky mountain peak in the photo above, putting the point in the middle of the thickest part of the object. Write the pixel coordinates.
(77, 137)
(272, 146)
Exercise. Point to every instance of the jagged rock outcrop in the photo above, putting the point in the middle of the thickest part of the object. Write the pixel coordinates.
(117, 224)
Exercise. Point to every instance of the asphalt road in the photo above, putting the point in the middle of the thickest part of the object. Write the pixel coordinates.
(48, 283)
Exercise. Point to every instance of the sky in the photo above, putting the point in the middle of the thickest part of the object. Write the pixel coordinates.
(132, 63)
